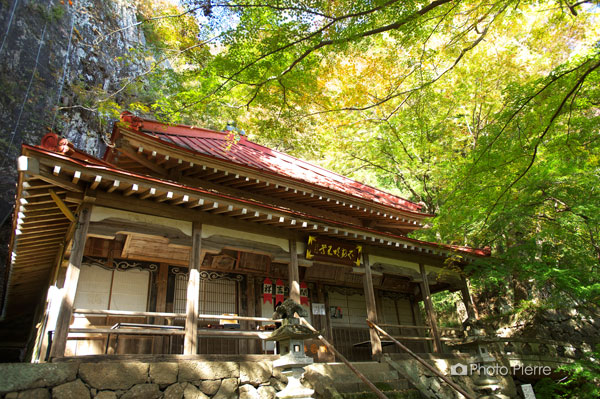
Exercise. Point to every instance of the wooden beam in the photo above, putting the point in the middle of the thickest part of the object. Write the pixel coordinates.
(72, 278)
(54, 229)
(131, 190)
(181, 200)
(62, 206)
(59, 181)
(166, 196)
(376, 351)
(426, 294)
(165, 210)
(114, 186)
(269, 199)
(293, 272)
(96, 182)
(151, 192)
(76, 177)
(190, 343)
(137, 157)
(27, 220)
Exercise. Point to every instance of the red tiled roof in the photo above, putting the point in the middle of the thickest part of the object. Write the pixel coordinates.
(244, 152)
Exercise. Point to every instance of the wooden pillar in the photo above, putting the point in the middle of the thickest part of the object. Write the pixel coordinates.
(161, 289)
(190, 343)
(250, 301)
(329, 331)
(293, 273)
(467, 299)
(59, 342)
(161, 306)
(371, 308)
(426, 294)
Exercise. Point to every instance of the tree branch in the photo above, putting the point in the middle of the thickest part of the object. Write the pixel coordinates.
(541, 137)
(321, 44)
(104, 37)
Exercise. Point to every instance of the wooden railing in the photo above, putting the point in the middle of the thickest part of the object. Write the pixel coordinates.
(338, 355)
(425, 329)
(167, 330)
(436, 372)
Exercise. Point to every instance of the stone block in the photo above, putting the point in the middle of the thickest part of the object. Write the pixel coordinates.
(193, 370)
(209, 387)
(164, 373)
(143, 391)
(255, 373)
(21, 376)
(266, 392)
(248, 391)
(174, 391)
(434, 384)
(191, 392)
(106, 395)
(37, 393)
(279, 385)
(446, 392)
(228, 389)
(71, 390)
(114, 375)
(283, 378)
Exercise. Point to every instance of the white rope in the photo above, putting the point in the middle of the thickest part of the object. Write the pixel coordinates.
(14, 132)
(12, 14)
(65, 67)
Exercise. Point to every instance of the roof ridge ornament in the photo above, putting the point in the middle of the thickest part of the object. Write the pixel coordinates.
(53, 142)
(131, 120)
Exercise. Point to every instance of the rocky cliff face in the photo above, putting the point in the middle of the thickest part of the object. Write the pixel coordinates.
(56, 58)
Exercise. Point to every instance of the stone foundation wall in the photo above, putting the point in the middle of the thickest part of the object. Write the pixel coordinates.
(137, 380)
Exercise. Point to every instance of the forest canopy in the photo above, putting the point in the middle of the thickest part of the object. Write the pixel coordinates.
(486, 112)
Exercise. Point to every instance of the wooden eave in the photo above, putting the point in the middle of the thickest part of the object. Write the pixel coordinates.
(145, 154)
(192, 203)
(41, 229)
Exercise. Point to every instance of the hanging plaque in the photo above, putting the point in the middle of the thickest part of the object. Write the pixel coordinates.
(318, 309)
(324, 249)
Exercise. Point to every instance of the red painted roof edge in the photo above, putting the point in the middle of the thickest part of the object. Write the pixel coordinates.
(136, 125)
(104, 166)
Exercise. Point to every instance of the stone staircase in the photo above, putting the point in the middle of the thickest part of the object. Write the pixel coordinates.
(336, 381)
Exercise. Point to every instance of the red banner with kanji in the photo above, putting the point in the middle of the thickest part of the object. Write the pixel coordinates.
(303, 294)
(279, 290)
(267, 291)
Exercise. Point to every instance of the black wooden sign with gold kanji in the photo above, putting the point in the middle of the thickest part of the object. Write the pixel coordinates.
(323, 249)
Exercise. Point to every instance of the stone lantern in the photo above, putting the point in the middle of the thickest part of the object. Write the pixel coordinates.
(292, 360)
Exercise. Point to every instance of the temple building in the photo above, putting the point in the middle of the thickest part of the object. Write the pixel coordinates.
(181, 241)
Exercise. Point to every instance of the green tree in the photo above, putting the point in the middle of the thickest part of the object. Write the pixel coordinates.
(486, 112)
